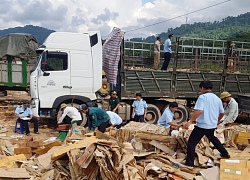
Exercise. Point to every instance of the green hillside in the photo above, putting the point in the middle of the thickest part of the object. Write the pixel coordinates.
(233, 28)
(39, 32)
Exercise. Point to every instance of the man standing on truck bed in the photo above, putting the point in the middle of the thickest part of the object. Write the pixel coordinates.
(97, 118)
(114, 102)
(157, 50)
(208, 112)
(167, 51)
(231, 109)
(139, 108)
(168, 115)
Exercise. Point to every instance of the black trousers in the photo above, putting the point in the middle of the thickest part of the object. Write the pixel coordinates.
(118, 126)
(139, 118)
(103, 126)
(167, 57)
(195, 138)
(26, 125)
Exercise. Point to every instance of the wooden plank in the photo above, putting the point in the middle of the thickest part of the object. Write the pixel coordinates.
(243, 137)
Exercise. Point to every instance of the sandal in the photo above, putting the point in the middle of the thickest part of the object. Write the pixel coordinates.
(36, 132)
(28, 135)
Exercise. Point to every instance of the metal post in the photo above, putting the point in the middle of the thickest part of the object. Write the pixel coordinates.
(174, 78)
(9, 60)
(196, 60)
(224, 73)
(24, 72)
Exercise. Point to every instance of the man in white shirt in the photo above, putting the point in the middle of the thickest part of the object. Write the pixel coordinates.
(157, 49)
(72, 113)
(115, 120)
(231, 109)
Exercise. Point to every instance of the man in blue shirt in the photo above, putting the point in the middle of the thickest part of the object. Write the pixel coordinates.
(139, 108)
(167, 51)
(208, 113)
(168, 115)
(25, 115)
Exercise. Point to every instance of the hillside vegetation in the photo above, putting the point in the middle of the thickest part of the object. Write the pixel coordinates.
(231, 28)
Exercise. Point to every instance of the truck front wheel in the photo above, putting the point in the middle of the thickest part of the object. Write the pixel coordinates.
(181, 115)
(153, 114)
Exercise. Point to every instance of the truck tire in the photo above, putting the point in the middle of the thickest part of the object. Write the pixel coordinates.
(153, 114)
(84, 118)
(181, 115)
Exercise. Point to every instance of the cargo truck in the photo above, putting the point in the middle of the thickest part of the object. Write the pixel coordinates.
(17, 59)
(69, 70)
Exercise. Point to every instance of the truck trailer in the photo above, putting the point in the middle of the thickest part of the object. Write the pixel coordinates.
(69, 70)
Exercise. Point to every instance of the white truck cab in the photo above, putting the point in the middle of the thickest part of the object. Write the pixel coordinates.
(69, 70)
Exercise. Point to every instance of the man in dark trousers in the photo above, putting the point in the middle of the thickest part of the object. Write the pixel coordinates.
(208, 113)
(25, 115)
(97, 118)
(139, 109)
(167, 51)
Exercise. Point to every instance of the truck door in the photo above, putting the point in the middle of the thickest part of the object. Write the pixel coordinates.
(54, 77)
(81, 72)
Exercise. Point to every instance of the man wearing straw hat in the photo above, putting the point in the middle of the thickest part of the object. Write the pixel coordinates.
(72, 112)
(231, 109)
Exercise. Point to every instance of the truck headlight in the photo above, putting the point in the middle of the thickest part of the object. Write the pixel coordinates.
(33, 104)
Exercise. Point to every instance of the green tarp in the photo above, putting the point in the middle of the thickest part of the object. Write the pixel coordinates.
(18, 45)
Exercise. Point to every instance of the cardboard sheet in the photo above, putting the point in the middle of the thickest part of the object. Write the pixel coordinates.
(14, 173)
(10, 161)
(81, 144)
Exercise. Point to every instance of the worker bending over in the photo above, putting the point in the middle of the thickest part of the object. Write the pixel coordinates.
(97, 118)
(168, 115)
(115, 120)
(69, 112)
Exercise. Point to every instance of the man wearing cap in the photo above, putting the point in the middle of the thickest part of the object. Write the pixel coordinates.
(231, 109)
(167, 51)
(114, 102)
(25, 115)
(72, 113)
(208, 112)
(97, 118)
(157, 49)
(139, 108)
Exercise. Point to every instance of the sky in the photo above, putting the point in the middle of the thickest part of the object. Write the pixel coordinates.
(103, 15)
